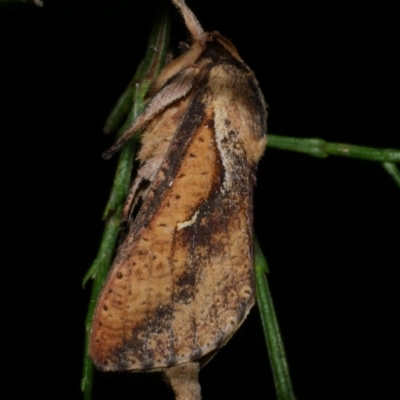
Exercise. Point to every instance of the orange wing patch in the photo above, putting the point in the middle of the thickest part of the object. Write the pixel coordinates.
(177, 296)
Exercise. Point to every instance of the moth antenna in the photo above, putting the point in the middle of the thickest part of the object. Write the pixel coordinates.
(191, 22)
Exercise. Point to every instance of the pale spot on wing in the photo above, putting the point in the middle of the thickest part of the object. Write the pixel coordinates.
(184, 224)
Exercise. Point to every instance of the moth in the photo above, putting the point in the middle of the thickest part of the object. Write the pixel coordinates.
(182, 280)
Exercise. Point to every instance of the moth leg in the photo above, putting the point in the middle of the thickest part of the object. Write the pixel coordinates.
(173, 91)
(184, 380)
(132, 198)
(191, 21)
(190, 57)
(183, 65)
(146, 173)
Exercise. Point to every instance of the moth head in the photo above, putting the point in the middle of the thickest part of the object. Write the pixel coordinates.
(208, 42)
(218, 46)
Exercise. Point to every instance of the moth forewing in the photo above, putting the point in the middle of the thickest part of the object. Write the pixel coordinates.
(182, 281)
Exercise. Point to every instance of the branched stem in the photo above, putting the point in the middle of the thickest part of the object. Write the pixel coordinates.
(320, 148)
(129, 106)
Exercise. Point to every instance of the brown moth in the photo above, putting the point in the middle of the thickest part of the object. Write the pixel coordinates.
(182, 281)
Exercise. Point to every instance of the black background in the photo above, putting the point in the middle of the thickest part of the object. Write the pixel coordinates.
(329, 227)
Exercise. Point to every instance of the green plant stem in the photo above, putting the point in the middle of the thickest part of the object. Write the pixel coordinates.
(102, 264)
(320, 148)
(150, 67)
(393, 171)
(146, 73)
(120, 110)
(280, 369)
(131, 103)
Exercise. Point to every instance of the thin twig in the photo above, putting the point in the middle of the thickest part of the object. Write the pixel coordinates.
(320, 148)
(393, 171)
(279, 365)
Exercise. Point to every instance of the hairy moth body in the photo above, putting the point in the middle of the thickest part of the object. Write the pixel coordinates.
(182, 281)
